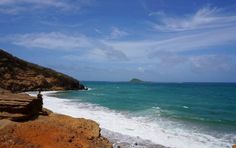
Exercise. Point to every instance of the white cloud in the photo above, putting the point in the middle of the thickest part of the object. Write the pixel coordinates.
(18, 6)
(92, 49)
(117, 33)
(51, 3)
(205, 18)
(139, 51)
(98, 55)
(177, 43)
(98, 30)
(11, 11)
(169, 59)
(142, 51)
(52, 40)
(157, 13)
(213, 63)
(103, 53)
(141, 69)
(162, 55)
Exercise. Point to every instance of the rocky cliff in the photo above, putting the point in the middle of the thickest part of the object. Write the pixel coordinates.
(19, 75)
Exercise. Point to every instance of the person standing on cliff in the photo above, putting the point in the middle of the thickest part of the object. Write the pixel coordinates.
(40, 96)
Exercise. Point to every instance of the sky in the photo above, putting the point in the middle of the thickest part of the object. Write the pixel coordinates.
(117, 40)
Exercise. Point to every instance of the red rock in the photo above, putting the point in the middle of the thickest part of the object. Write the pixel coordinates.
(52, 131)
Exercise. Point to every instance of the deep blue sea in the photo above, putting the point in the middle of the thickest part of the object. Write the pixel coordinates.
(170, 114)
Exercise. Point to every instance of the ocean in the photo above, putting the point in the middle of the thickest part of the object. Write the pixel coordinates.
(180, 115)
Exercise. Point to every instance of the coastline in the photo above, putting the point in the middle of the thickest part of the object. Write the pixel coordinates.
(130, 130)
(116, 138)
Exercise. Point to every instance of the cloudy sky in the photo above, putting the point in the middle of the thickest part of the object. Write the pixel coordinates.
(116, 40)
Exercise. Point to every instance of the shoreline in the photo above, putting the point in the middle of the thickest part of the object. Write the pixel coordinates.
(116, 138)
(131, 128)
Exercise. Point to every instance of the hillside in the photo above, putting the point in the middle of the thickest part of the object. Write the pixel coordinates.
(20, 75)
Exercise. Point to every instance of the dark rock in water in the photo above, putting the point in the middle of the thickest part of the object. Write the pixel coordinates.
(19, 75)
(135, 80)
(121, 145)
(82, 87)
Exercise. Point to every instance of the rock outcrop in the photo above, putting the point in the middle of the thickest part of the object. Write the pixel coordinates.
(18, 107)
(135, 80)
(19, 75)
(52, 131)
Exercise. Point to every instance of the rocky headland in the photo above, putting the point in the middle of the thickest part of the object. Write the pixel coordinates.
(18, 75)
(23, 120)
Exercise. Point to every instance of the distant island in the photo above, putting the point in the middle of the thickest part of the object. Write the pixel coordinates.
(135, 80)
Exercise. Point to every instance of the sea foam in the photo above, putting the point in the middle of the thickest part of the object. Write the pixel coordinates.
(163, 133)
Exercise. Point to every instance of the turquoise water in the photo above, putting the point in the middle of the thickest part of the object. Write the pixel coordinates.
(207, 107)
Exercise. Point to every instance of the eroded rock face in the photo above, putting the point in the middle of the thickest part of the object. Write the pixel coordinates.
(52, 131)
(18, 106)
(19, 75)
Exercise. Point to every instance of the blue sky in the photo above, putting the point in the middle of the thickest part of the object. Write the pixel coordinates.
(116, 40)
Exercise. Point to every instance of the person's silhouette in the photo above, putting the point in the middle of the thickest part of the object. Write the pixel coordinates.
(40, 96)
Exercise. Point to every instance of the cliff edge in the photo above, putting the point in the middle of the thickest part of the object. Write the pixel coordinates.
(19, 75)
